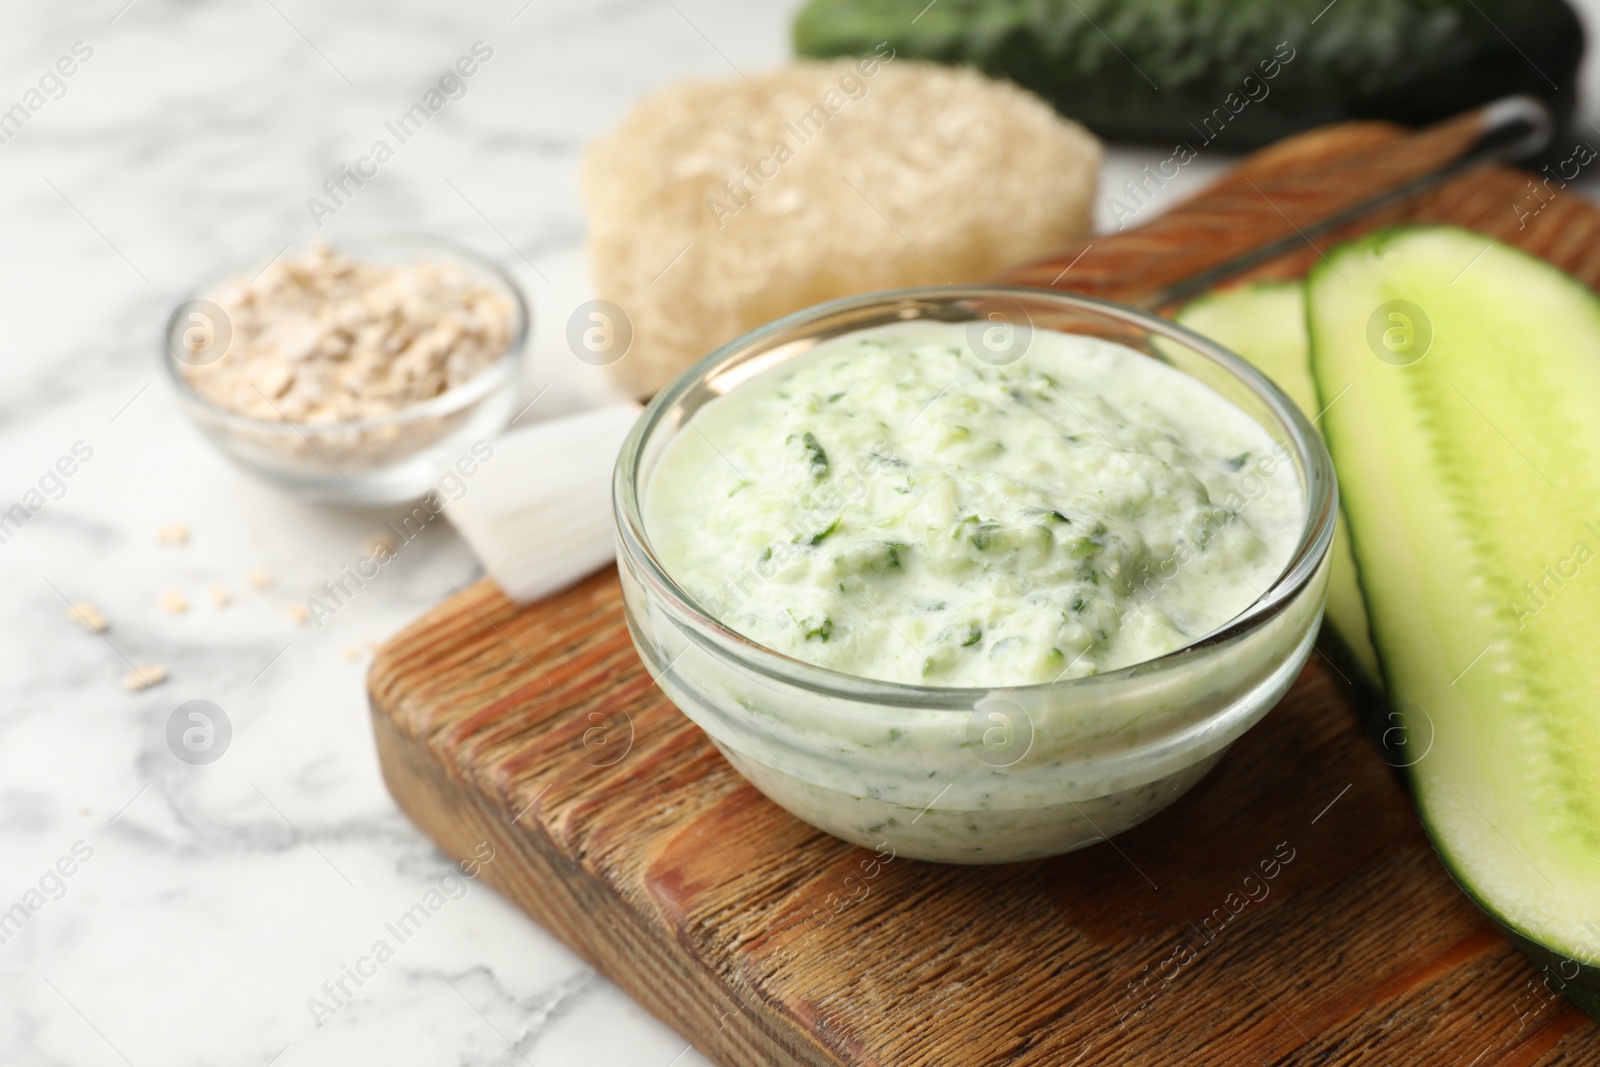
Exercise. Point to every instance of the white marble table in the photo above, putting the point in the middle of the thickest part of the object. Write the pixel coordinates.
(210, 909)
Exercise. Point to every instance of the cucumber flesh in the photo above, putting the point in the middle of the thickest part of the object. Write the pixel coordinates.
(1470, 464)
(1266, 324)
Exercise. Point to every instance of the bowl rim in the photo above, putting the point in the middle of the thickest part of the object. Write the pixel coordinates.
(468, 393)
(1309, 452)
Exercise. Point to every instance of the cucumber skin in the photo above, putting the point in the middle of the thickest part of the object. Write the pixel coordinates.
(1582, 988)
(1408, 61)
(1578, 982)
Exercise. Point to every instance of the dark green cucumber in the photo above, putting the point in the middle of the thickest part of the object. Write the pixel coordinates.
(1238, 73)
(1464, 384)
(1266, 324)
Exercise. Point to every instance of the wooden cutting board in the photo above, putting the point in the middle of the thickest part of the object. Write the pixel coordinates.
(1288, 910)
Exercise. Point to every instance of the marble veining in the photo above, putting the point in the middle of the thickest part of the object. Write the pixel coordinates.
(208, 904)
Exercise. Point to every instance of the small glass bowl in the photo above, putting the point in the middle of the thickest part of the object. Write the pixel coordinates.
(962, 775)
(367, 462)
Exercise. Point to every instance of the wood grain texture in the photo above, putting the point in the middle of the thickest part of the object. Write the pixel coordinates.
(1271, 194)
(621, 829)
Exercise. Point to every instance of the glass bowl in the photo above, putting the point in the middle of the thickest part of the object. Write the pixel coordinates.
(367, 462)
(962, 775)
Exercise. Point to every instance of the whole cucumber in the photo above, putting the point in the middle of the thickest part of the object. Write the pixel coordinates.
(1237, 73)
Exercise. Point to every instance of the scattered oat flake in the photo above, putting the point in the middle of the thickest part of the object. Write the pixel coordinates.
(298, 613)
(86, 614)
(173, 533)
(352, 652)
(220, 596)
(144, 676)
(260, 578)
(174, 602)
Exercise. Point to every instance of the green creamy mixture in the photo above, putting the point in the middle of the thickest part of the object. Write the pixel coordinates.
(891, 506)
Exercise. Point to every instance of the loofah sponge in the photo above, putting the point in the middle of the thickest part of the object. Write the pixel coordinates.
(718, 206)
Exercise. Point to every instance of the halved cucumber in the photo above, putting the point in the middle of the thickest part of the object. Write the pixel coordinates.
(1462, 379)
(1266, 324)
